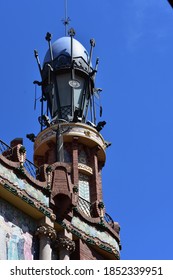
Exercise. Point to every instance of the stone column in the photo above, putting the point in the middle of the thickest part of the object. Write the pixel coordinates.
(46, 235)
(65, 246)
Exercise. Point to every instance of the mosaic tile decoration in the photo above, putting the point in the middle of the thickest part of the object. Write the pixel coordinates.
(12, 178)
(95, 233)
(16, 233)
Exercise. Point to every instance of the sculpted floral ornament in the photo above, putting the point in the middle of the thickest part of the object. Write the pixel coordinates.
(66, 243)
(75, 189)
(47, 231)
(87, 133)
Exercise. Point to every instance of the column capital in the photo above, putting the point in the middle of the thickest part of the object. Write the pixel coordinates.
(45, 230)
(65, 243)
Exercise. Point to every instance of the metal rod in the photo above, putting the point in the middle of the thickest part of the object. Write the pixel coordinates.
(37, 59)
(59, 145)
(92, 42)
(94, 110)
(97, 63)
(72, 77)
(48, 38)
(72, 33)
(56, 89)
(86, 111)
(66, 21)
(50, 49)
(41, 110)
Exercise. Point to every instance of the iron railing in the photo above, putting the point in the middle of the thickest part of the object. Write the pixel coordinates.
(86, 207)
(28, 165)
(32, 169)
(109, 220)
(4, 148)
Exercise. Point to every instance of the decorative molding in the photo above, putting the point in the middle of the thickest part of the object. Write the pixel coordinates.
(19, 184)
(15, 168)
(32, 202)
(85, 133)
(104, 237)
(85, 168)
(90, 240)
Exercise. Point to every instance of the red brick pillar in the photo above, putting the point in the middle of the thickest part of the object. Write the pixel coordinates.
(75, 173)
(96, 183)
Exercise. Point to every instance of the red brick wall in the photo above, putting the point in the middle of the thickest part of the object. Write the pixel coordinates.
(88, 253)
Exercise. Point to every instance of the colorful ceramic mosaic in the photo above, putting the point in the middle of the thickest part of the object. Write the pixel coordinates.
(16, 233)
(21, 184)
(95, 233)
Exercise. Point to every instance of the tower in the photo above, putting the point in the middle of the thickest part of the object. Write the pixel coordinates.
(71, 149)
(61, 209)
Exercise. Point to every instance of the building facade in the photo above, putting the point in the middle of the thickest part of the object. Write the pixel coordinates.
(53, 209)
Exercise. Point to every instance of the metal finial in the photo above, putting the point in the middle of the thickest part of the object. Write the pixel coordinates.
(92, 42)
(38, 61)
(67, 19)
(48, 36)
(71, 32)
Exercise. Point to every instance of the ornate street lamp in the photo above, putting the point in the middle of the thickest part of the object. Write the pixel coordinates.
(68, 87)
(68, 79)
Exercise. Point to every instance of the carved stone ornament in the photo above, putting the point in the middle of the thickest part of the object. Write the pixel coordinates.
(21, 154)
(85, 167)
(66, 243)
(47, 231)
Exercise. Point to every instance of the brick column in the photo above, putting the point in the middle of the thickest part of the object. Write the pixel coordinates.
(96, 190)
(75, 161)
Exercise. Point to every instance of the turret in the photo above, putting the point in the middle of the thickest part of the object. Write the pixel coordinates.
(70, 150)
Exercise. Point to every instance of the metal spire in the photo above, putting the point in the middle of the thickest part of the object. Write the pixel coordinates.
(67, 19)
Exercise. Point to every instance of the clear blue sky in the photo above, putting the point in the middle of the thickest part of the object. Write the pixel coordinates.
(134, 41)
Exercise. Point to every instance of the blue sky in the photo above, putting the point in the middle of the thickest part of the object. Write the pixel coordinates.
(134, 41)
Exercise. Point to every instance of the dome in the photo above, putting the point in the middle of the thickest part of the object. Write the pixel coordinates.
(62, 46)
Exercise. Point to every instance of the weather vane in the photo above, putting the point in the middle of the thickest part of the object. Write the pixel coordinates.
(67, 19)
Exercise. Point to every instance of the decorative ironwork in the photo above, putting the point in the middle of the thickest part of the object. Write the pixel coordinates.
(28, 165)
(84, 206)
(5, 148)
(109, 220)
(32, 169)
